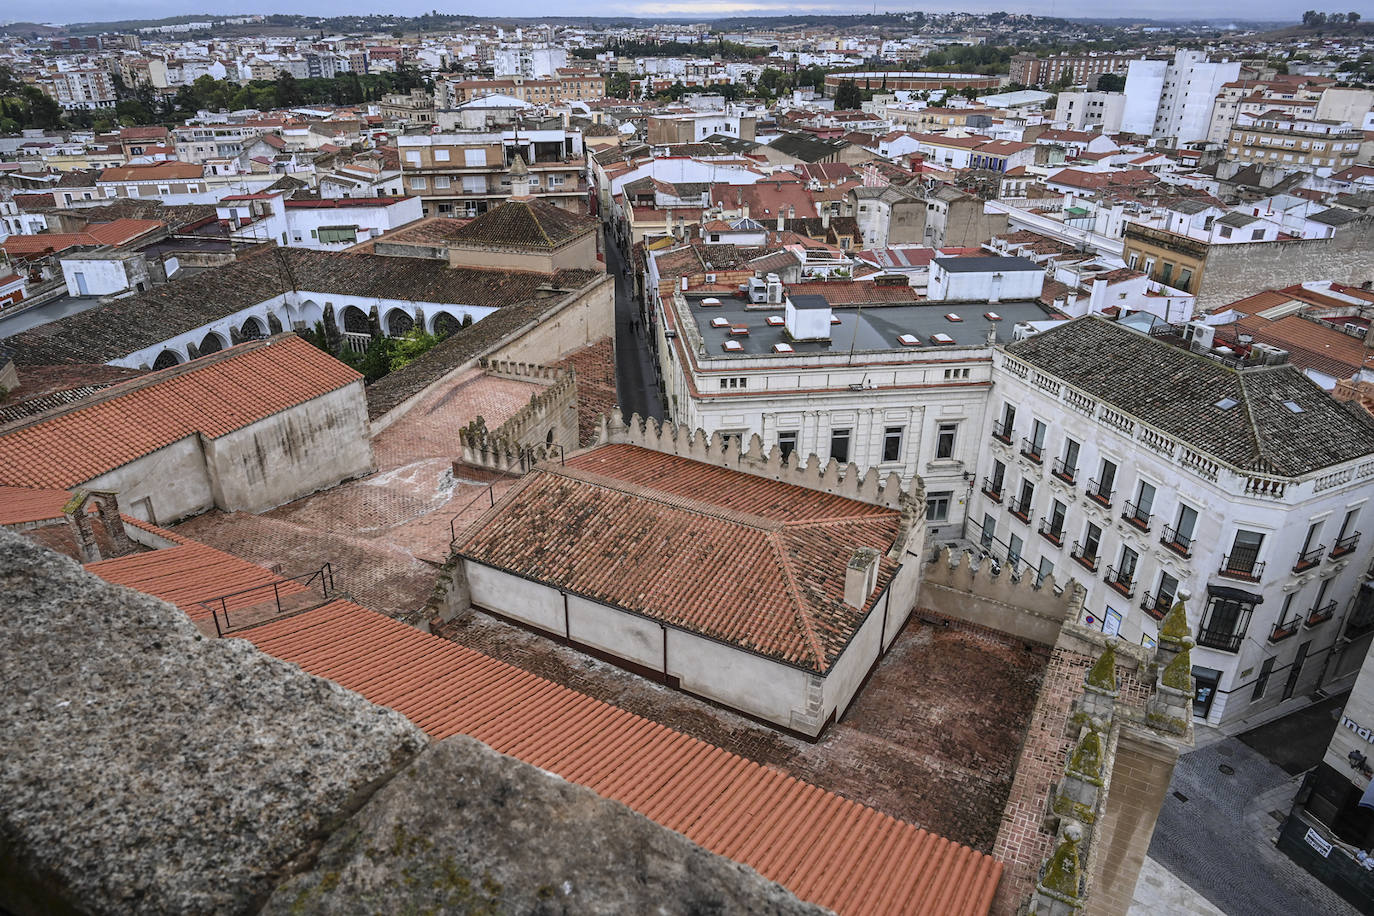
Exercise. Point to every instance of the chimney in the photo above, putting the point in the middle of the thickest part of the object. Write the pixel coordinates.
(519, 179)
(825, 217)
(860, 577)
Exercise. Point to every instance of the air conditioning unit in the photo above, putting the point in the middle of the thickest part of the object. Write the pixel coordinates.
(1023, 330)
(1199, 335)
(1268, 354)
(1356, 330)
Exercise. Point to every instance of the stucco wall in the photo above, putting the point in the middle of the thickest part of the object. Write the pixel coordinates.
(579, 254)
(626, 636)
(174, 479)
(586, 318)
(740, 680)
(292, 453)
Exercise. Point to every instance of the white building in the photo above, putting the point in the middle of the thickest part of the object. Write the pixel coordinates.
(1091, 110)
(896, 385)
(1143, 471)
(532, 63)
(327, 224)
(1174, 98)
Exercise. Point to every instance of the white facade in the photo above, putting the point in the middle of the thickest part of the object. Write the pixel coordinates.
(532, 63)
(1091, 110)
(1179, 512)
(1174, 98)
(1011, 279)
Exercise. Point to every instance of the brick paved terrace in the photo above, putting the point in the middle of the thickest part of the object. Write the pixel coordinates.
(932, 738)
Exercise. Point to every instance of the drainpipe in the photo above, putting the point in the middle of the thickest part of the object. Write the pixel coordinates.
(664, 628)
(567, 627)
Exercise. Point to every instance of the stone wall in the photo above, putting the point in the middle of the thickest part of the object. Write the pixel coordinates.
(584, 319)
(956, 586)
(1239, 270)
(148, 769)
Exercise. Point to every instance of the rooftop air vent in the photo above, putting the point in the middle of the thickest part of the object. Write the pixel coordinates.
(732, 346)
(783, 348)
(941, 339)
(909, 340)
(720, 321)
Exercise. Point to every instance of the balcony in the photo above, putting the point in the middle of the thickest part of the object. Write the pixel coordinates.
(1002, 432)
(1222, 640)
(1241, 565)
(1156, 605)
(1087, 560)
(1122, 582)
(1345, 545)
(1282, 630)
(1321, 614)
(1032, 450)
(1180, 544)
(1055, 535)
(992, 490)
(1021, 510)
(1100, 494)
(1136, 516)
(1309, 558)
(1063, 471)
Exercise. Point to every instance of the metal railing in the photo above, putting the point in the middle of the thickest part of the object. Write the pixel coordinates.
(1345, 545)
(489, 491)
(219, 605)
(1002, 432)
(992, 491)
(1321, 614)
(1099, 494)
(1121, 581)
(1033, 450)
(1284, 630)
(1180, 544)
(1088, 560)
(1309, 558)
(1156, 605)
(1055, 535)
(1021, 509)
(1222, 640)
(1063, 471)
(1241, 565)
(1132, 513)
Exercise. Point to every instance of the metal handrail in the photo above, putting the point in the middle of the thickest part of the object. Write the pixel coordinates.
(325, 576)
(1345, 545)
(1063, 471)
(1180, 544)
(1309, 558)
(1133, 515)
(490, 489)
(1032, 451)
(1096, 494)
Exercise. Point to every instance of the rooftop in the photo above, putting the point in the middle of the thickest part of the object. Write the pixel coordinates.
(753, 563)
(524, 224)
(1179, 393)
(211, 396)
(983, 265)
(860, 325)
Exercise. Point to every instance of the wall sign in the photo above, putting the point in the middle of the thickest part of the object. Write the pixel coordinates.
(1315, 840)
(1366, 734)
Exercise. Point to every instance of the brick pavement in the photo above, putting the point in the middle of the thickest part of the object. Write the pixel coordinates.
(386, 533)
(931, 739)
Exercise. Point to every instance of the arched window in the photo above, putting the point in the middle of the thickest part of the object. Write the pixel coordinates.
(211, 344)
(252, 329)
(398, 323)
(166, 359)
(445, 324)
(355, 320)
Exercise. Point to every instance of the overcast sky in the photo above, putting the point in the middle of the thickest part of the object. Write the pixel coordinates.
(105, 10)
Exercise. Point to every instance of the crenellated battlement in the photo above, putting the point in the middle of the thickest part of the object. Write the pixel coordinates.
(546, 426)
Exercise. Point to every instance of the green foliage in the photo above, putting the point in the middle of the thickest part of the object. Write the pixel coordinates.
(618, 86)
(847, 97)
(1111, 82)
(26, 106)
(410, 347)
(715, 46)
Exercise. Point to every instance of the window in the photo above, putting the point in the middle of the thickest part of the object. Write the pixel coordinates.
(1168, 590)
(441, 155)
(474, 157)
(418, 184)
(1092, 543)
(944, 440)
(1261, 682)
(787, 441)
(474, 184)
(1243, 560)
(413, 157)
(1166, 273)
(1349, 537)
(1002, 430)
(1022, 507)
(1225, 621)
(1068, 465)
(1014, 547)
(1149, 267)
(1133, 260)
(892, 443)
(989, 531)
(441, 182)
(937, 506)
(1226, 232)
(999, 478)
(1257, 235)
(839, 445)
(1185, 279)
(1046, 569)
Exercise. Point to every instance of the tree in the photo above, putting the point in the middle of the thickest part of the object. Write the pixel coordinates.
(618, 86)
(1352, 18)
(847, 97)
(288, 93)
(1111, 82)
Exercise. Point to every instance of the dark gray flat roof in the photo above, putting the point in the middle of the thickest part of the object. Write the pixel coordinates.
(981, 265)
(810, 301)
(872, 327)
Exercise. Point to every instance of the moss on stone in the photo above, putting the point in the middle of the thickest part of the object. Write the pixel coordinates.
(1062, 877)
(1103, 672)
(1178, 674)
(1086, 760)
(1174, 627)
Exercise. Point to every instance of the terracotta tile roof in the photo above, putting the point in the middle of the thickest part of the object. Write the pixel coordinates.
(823, 848)
(211, 396)
(754, 563)
(844, 292)
(156, 171)
(21, 505)
(189, 573)
(524, 224)
(115, 232)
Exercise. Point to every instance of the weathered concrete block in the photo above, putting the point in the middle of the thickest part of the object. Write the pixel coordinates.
(464, 829)
(147, 769)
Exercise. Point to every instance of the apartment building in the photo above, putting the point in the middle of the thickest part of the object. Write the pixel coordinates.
(464, 174)
(860, 373)
(1174, 98)
(414, 107)
(1081, 69)
(1144, 472)
(565, 86)
(87, 88)
(1277, 138)
(1090, 110)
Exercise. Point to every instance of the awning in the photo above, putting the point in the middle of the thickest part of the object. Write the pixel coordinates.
(1234, 594)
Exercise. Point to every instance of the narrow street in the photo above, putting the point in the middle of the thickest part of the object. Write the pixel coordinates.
(636, 383)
